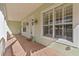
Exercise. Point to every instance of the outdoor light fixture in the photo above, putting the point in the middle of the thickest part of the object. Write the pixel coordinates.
(35, 21)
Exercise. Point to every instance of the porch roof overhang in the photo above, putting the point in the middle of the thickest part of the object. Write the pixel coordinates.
(17, 11)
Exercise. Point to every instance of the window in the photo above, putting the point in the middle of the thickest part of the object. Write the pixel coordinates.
(68, 32)
(68, 14)
(24, 27)
(62, 26)
(63, 22)
(62, 18)
(48, 23)
(58, 22)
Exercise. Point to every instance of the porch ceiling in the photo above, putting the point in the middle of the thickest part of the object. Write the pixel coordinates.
(16, 11)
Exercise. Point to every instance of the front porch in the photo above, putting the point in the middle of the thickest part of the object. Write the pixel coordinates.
(54, 27)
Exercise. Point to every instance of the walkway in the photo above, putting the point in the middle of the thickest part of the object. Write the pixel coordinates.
(20, 46)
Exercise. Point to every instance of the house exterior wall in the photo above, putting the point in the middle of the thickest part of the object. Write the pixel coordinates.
(37, 14)
(14, 26)
(46, 41)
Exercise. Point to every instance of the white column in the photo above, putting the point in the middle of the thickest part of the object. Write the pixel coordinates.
(76, 24)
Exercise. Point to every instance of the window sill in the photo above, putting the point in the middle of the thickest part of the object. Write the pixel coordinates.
(49, 38)
(64, 41)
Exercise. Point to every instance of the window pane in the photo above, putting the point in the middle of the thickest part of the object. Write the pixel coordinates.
(58, 16)
(68, 32)
(50, 31)
(45, 30)
(51, 18)
(58, 31)
(45, 19)
(68, 14)
(24, 29)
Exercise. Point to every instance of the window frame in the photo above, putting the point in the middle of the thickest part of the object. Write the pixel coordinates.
(49, 8)
(49, 24)
(61, 40)
(63, 23)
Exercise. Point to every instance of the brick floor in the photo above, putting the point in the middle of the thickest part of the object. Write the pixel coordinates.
(20, 46)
